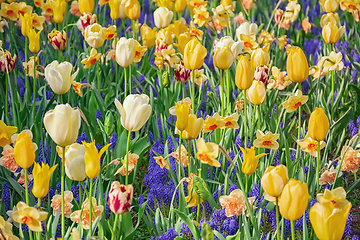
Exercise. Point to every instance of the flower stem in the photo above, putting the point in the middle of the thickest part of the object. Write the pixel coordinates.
(127, 158)
(292, 230)
(277, 219)
(333, 88)
(193, 91)
(125, 92)
(80, 195)
(91, 206)
(227, 87)
(114, 227)
(14, 113)
(26, 186)
(222, 93)
(183, 90)
(245, 119)
(259, 120)
(62, 195)
(98, 75)
(317, 166)
(189, 157)
(198, 211)
(26, 72)
(133, 28)
(179, 173)
(7, 98)
(34, 88)
(299, 133)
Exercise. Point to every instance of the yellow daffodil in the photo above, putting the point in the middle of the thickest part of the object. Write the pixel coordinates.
(77, 88)
(24, 151)
(9, 11)
(29, 216)
(207, 152)
(5, 133)
(318, 125)
(213, 122)
(274, 179)
(250, 161)
(200, 77)
(193, 199)
(195, 4)
(336, 197)
(267, 140)
(282, 41)
(92, 159)
(42, 175)
(161, 161)
(231, 121)
(294, 102)
(139, 51)
(332, 62)
(195, 32)
(279, 80)
(34, 38)
(223, 14)
(110, 32)
(92, 59)
(48, 7)
(349, 5)
(249, 42)
(331, 33)
(265, 37)
(23, 8)
(297, 66)
(201, 16)
(182, 114)
(309, 145)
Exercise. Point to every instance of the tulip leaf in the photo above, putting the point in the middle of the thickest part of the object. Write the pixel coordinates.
(219, 235)
(234, 237)
(20, 190)
(194, 230)
(344, 120)
(141, 212)
(55, 223)
(353, 186)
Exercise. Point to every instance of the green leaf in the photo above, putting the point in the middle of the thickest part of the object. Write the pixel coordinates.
(194, 230)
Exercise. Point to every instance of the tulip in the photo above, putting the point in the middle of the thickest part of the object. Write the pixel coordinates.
(148, 35)
(34, 37)
(318, 124)
(60, 10)
(294, 200)
(42, 175)
(256, 93)
(274, 179)
(59, 76)
(329, 5)
(86, 6)
(260, 57)
(183, 39)
(62, 124)
(133, 10)
(92, 159)
(182, 115)
(120, 197)
(246, 29)
(297, 66)
(29, 216)
(250, 161)
(95, 35)
(58, 39)
(24, 151)
(5, 133)
(85, 20)
(223, 58)
(165, 3)
(193, 128)
(26, 23)
(7, 63)
(193, 199)
(182, 74)
(125, 51)
(180, 5)
(162, 17)
(134, 112)
(328, 221)
(75, 162)
(244, 73)
(114, 9)
(331, 33)
(194, 54)
(330, 17)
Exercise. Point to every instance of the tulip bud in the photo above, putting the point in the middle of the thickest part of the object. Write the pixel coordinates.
(329, 5)
(274, 180)
(59, 76)
(223, 58)
(86, 6)
(58, 39)
(180, 5)
(92, 159)
(162, 17)
(133, 10)
(94, 35)
(26, 23)
(125, 52)
(120, 197)
(206, 232)
(182, 115)
(294, 200)
(166, 79)
(42, 175)
(256, 93)
(318, 125)
(24, 152)
(262, 74)
(330, 17)
(260, 57)
(297, 66)
(244, 72)
(194, 54)
(109, 123)
(200, 188)
(7, 63)
(278, 15)
(59, 11)
(331, 33)
(250, 161)
(182, 74)
(114, 9)
(34, 37)
(75, 162)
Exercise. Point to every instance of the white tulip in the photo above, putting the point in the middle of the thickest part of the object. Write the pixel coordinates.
(94, 35)
(162, 17)
(125, 51)
(75, 162)
(62, 124)
(246, 29)
(134, 112)
(59, 76)
(235, 47)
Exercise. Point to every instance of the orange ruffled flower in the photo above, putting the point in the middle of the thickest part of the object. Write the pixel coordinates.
(184, 157)
(132, 163)
(85, 215)
(56, 203)
(8, 159)
(351, 159)
(234, 203)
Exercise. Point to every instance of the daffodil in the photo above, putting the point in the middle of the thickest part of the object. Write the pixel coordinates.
(139, 51)
(193, 199)
(213, 122)
(29, 216)
(337, 197)
(250, 161)
(5, 133)
(309, 145)
(92, 159)
(201, 16)
(223, 14)
(9, 11)
(207, 152)
(92, 59)
(267, 140)
(231, 121)
(294, 102)
(332, 62)
(110, 32)
(161, 161)
(292, 10)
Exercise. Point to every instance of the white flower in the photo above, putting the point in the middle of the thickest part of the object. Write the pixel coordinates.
(59, 76)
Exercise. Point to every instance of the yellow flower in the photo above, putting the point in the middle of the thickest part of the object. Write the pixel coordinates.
(148, 35)
(249, 42)
(58, 39)
(184, 156)
(48, 7)
(94, 35)
(6, 229)
(34, 37)
(309, 145)
(42, 175)
(265, 37)
(201, 16)
(292, 11)
(59, 10)
(179, 27)
(282, 41)
(194, 4)
(213, 122)
(193, 128)
(223, 58)
(183, 39)
(186, 100)
(139, 51)
(29, 216)
(92, 159)
(294, 200)
(331, 62)
(274, 179)
(115, 6)
(92, 59)
(250, 161)
(223, 14)
(231, 121)
(260, 57)
(194, 54)
(162, 162)
(297, 66)
(200, 77)
(195, 32)
(110, 32)
(207, 152)
(330, 17)
(256, 93)
(279, 79)
(331, 33)
(182, 115)
(318, 125)
(329, 5)
(23, 8)
(24, 151)
(169, 4)
(133, 10)
(84, 213)
(336, 197)
(180, 5)
(244, 72)
(294, 102)
(26, 23)
(5, 133)
(9, 11)
(193, 199)
(86, 6)
(267, 140)
(349, 5)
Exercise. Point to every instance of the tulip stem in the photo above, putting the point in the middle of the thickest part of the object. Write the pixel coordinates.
(133, 28)
(14, 113)
(62, 195)
(26, 186)
(193, 91)
(198, 211)
(80, 195)
(127, 158)
(333, 88)
(299, 133)
(222, 93)
(34, 88)
(26, 72)
(259, 120)
(179, 173)
(245, 119)
(125, 83)
(114, 227)
(277, 219)
(292, 230)
(317, 166)
(183, 90)
(189, 157)
(7, 98)
(91, 207)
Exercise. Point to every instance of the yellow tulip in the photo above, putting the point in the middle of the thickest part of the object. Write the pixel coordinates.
(95, 35)
(182, 115)
(26, 23)
(24, 152)
(256, 93)
(294, 200)
(226, 3)
(92, 159)
(260, 57)
(318, 124)
(193, 128)
(329, 5)
(59, 11)
(114, 9)
(5, 133)
(274, 179)
(166, 3)
(207, 152)
(297, 66)
(330, 17)
(133, 10)
(183, 39)
(180, 5)
(250, 161)
(179, 28)
(34, 37)
(148, 35)
(86, 6)
(194, 54)
(42, 175)
(331, 33)
(244, 72)
(223, 58)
